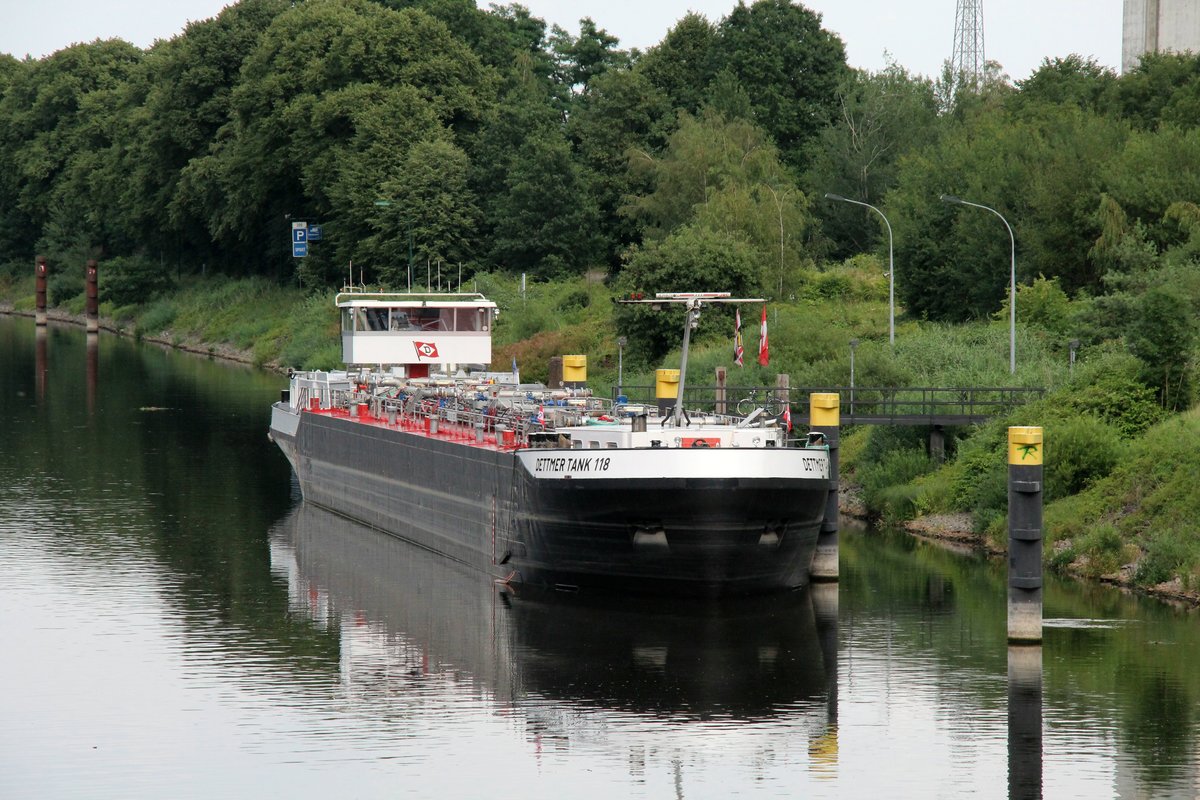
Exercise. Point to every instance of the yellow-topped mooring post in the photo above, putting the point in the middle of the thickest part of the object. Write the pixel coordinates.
(825, 419)
(666, 389)
(574, 371)
(1025, 452)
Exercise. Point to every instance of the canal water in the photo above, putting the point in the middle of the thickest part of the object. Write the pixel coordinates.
(176, 622)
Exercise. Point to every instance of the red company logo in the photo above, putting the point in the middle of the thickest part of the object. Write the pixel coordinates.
(426, 349)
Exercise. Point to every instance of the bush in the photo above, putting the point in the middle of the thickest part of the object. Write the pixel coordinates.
(884, 482)
(1105, 549)
(1078, 452)
(62, 287)
(1111, 390)
(132, 280)
(1167, 554)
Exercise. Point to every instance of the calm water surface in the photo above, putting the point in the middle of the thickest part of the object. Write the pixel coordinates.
(175, 622)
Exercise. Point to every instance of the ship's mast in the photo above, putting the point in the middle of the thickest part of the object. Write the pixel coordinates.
(693, 302)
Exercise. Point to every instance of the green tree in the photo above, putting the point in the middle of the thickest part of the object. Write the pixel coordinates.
(689, 260)
(1163, 334)
(681, 65)
(1073, 80)
(170, 111)
(432, 204)
(621, 112)
(544, 223)
(1163, 87)
(725, 176)
(328, 84)
(791, 66)
(580, 59)
(881, 117)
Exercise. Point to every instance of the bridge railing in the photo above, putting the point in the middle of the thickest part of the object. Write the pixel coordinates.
(886, 405)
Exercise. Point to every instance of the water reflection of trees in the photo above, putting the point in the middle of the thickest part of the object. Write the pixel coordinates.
(1132, 672)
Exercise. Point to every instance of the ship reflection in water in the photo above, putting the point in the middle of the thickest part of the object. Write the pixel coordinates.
(633, 678)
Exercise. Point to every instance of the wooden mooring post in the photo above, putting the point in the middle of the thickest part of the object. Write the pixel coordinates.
(92, 306)
(40, 271)
(1025, 535)
(824, 416)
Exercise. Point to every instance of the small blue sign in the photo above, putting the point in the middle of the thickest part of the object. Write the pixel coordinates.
(314, 233)
(299, 235)
(299, 249)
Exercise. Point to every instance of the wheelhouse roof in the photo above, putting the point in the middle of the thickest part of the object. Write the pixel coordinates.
(412, 300)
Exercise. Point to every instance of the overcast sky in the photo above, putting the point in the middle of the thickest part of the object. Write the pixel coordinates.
(918, 34)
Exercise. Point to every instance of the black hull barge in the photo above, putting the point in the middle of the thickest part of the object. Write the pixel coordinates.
(553, 487)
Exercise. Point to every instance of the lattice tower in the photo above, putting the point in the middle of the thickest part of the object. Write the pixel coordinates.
(967, 58)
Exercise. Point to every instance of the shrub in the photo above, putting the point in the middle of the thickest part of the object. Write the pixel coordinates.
(1078, 452)
(1104, 547)
(1167, 554)
(61, 287)
(1111, 390)
(884, 481)
(132, 280)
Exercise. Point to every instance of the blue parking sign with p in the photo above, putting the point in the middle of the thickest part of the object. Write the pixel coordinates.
(299, 239)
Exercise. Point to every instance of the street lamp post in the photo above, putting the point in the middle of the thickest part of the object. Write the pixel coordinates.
(1012, 286)
(891, 263)
(853, 344)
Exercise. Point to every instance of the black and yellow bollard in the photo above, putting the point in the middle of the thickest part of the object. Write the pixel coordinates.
(825, 419)
(575, 371)
(666, 390)
(1025, 535)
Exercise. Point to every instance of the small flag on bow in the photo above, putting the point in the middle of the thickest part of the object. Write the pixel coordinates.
(764, 355)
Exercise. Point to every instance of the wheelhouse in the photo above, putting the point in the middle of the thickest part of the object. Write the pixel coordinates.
(414, 331)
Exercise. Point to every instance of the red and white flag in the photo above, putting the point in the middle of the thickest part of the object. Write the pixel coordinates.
(738, 351)
(787, 416)
(541, 417)
(764, 355)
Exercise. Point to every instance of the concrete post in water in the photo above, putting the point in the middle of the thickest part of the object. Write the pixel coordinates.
(40, 270)
(1025, 535)
(824, 416)
(92, 307)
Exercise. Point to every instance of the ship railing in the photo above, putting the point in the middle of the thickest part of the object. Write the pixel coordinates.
(505, 425)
